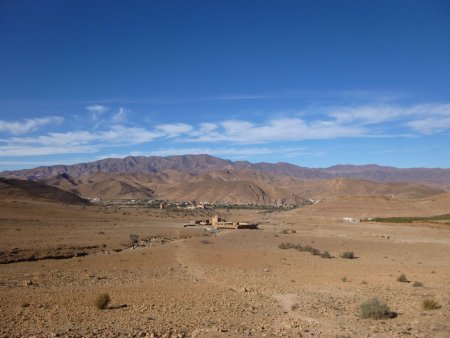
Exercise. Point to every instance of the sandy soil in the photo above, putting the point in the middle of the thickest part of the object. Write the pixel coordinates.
(187, 282)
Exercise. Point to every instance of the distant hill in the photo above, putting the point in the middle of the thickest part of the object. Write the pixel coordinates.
(204, 177)
(245, 186)
(196, 164)
(356, 187)
(12, 189)
(238, 187)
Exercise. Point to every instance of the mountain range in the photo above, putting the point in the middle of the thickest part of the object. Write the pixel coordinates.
(208, 178)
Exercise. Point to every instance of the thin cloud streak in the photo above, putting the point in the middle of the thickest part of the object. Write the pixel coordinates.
(378, 114)
(121, 115)
(351, 95)
(28, 125)
(97, 108)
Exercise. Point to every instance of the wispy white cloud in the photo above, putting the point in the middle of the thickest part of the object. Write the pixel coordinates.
(386, 113)
(231, 136)
(120, 115)
(71, 138)
(76, 141)
(96, 111)
(275, 130)
(317, 95)
(33, 150)
(175, 129)
(97, 108)
(128, 135)
(429, 126)
(28, 125)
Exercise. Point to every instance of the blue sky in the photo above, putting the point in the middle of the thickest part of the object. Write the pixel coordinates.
(315, 83)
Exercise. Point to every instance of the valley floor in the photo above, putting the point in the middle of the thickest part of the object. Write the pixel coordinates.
(235, 283)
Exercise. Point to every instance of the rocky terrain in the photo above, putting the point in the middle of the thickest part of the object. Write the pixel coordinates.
(189, 282)
(29, 190)
(290, 278)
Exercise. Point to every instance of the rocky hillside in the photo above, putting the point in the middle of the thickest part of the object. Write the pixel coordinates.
(196, 164)
(13, 189)
(204, 177)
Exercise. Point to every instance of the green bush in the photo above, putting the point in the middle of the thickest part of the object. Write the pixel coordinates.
(375, 309)
(102, 301)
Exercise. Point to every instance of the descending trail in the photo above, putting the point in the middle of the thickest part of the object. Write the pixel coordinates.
(285, 315)
(185, 257)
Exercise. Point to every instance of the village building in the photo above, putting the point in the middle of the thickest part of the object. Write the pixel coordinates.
(220, 223)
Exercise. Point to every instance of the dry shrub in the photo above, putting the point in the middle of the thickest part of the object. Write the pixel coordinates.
(134, 238)
(402, 278)
(348, 255)
(102, 301)
(286, 245)
(299, 248)
(417, 284)
(315, 252)
(430, 304)
(375, 309)
(308, 248)
(288, 231)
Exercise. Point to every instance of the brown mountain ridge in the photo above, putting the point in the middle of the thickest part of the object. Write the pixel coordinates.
(208, 178)
(203, 163)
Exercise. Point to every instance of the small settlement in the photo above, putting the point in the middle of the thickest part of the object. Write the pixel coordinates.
(220, 223)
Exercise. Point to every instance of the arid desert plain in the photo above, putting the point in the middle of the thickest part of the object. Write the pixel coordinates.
(190, 282)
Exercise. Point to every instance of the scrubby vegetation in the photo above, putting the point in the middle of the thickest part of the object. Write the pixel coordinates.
(288, 231)
(134, 238)
(102, 301)
(315, 252)
(402, 278)
(375, 309)
(445, 217)
(307, 248)
(417, 284)
(430, 304)
(286, 245)
(348, 255)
